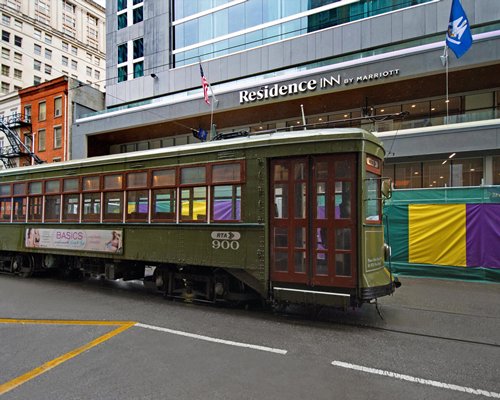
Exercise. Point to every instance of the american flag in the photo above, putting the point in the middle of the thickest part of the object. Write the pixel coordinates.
(204, 83)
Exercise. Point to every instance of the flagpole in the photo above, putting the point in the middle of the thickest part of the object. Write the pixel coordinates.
(447, 88)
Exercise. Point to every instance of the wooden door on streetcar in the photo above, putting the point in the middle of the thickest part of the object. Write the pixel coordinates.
(313, 220)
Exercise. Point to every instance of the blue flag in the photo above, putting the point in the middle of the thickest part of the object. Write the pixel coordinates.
(458, 36)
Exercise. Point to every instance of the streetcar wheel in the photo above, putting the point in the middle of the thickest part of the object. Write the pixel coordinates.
(23, 265)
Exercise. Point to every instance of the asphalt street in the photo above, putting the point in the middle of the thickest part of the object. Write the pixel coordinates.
(64, 340)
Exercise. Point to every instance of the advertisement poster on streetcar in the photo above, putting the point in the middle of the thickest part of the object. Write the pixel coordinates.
(100, 240)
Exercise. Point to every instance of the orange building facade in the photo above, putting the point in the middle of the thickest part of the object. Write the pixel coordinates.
(47, 104)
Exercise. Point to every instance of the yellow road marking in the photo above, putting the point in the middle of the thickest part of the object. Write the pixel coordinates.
(122, 326)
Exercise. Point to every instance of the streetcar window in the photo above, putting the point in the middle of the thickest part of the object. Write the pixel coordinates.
(90, 183)
(19, 208)
(163, 207)
(112, 182)
(164, 177)
(226, 173)
(35, 188)
(52, 207)
(137, 179)
(343, 207)
(70, 185)
(137, 205)
(71, 204)
(52, 187)
(372, 201)
(91, 206)
(113, 209)
(35, 207)
(193, 175)
(5, 209)
(194, 204)
(343, 169)
(280, 172)
(19, 188)
(321, 211)
(5, 190)
(227, 203)
(281, 200)
(343, 264)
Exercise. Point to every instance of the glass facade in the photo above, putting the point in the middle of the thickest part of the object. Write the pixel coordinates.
(213, 28)
(447, 173)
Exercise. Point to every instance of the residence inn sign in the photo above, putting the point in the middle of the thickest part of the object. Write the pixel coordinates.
(277, 90)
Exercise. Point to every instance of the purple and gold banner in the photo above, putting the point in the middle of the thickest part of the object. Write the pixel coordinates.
(100, 240)
(463, 235)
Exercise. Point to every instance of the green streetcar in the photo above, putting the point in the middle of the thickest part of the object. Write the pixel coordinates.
(287, 217)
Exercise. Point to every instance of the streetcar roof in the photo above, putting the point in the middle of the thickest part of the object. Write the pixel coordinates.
(256, 140)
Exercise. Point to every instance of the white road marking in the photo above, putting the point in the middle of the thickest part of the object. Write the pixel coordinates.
(211, 339)
(478, 392)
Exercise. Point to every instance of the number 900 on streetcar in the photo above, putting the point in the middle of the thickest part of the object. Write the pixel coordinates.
(285, 217)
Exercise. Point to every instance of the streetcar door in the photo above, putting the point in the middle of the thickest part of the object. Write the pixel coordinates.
(313, 219)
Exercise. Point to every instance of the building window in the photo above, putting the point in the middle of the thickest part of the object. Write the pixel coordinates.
(5, 70)
(37, 80)
(89, 71)
(48, 69)
(18, 41)
(18, 74)
(41, 140)
(467, 172)
(48, 54)
(57, 137)
(57, 106)
(18, 57)
(122, 74)
(74, 64)
(42, 111)
(122, 5)
(37, 65)
(5, 53)
(65, 46)
(5, 36)
(138, 69)
(496, 170)
(97, 61)
(74, 50)
(64, 61)
(97, 74)
(137, 15)
(5, 20)
(18, 24)
(122, 53)
(37, 34)
(5, 87)
(48, 38)
(37, 49)
(138, 47)
(136, 50)
(122, 21)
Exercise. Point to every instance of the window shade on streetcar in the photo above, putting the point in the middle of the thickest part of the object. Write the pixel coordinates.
(52, 187)
(226, 173)
(35, 188)
(137, 180)
(52, 207)
(193, 175)
(137, 205)
(112, 182)
(194, 204)
(165, 177)
(90, 183)
(71, 203)
(70, 185)
(163, 205)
